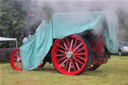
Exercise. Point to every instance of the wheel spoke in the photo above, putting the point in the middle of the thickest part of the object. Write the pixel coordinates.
(75, 43)
(61, 46)
(66, 64)
(71, 44)
(77, 66)
(62, 58)
(17, 55)
(73, 65)
(80, 49)
(60, 54)
(63, 62)
(80, 53)
(81, 58)
(77, 47)
(79, 61)
(14, 59)
(69, 68)
(65, 44)
(67, 41)
(17, 64)
(61, 51)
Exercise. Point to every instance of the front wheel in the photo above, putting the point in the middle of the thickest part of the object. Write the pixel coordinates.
(71, 55)
(15, 60)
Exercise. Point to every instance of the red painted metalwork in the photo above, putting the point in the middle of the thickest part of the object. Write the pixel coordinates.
(70, 55)
(98, 48)
(99, 52)
(15, 60)
(99, 60)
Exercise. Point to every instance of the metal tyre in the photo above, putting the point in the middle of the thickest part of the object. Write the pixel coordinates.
(71, 55)
(15, 60)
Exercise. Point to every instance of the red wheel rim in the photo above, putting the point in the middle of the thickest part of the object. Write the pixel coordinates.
(70, 55)
(15, 60)
(42, 64)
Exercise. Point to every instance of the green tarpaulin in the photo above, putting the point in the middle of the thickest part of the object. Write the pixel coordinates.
(61, 25)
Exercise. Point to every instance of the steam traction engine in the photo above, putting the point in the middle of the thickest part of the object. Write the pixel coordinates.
(73, 54)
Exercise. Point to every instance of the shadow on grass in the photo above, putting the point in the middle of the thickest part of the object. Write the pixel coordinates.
(94, 73)
(4, 62)
(52, 70)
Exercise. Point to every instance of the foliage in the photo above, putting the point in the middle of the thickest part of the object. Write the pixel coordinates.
(11, 21)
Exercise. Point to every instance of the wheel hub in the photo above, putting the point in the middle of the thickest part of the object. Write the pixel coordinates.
(18, 59)
(69, 54)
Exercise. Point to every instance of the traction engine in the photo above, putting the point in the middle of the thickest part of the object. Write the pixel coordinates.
(73, 54)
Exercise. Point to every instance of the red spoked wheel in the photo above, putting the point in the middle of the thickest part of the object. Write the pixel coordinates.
(71, 55)
(15, 60)
(42, 64)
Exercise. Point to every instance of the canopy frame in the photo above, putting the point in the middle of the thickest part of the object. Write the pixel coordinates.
(4, 39)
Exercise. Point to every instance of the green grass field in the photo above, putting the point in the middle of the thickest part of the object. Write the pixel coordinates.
(115, 72)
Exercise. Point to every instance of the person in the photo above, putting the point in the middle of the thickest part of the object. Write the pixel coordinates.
(25, 39)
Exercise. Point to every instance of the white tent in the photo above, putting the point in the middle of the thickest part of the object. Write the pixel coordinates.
(8, 39)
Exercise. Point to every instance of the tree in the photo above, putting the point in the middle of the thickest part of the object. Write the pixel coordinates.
(11, 21)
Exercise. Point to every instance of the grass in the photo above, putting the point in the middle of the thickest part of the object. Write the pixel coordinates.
(115, 72)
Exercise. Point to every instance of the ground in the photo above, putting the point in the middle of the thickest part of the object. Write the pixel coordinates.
(115, 72)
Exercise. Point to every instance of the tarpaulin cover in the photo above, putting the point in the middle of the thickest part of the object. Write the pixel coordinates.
(60, 26)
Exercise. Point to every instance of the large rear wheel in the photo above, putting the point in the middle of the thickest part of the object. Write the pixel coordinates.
(71, 55)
